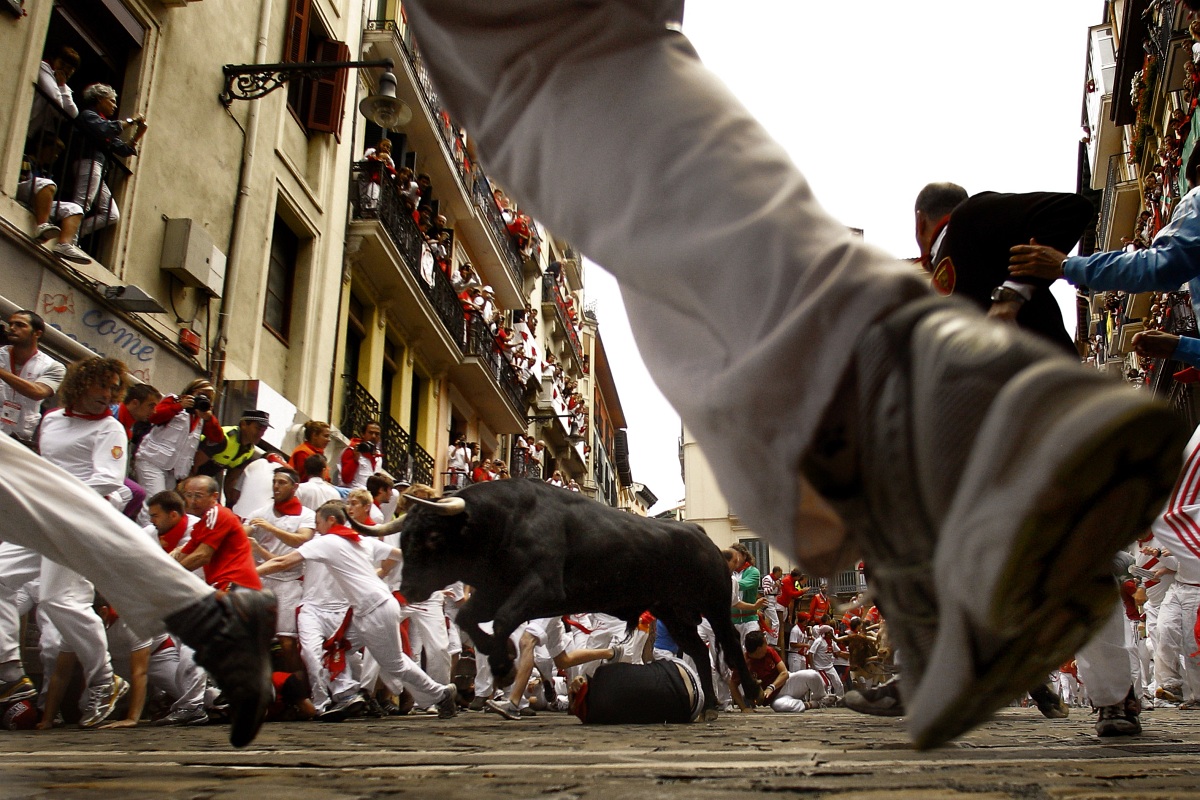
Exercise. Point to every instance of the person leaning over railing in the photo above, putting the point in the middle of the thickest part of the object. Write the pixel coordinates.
(105, 136)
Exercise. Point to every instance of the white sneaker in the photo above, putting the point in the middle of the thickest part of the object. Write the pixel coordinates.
(46, 231)
(1067, 468)
(101, 700)
(988, 480)
(69, 252)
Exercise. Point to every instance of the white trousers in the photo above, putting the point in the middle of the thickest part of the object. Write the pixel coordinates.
(153, 479)
(47, 510)
(18, 566)
(833, 680)
(379, 631)
(427, 634)
(288, 596)
(313, 626)
(1173, 663)
(93, 194)
(803, 686)
(66, 601)
(728, 266)
(1105, 662)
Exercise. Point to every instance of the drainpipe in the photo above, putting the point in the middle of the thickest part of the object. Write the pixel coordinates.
(238, 223)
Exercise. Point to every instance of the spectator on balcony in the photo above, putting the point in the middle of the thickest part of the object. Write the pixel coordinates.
(53, 91)
(465, 278)
(167, 453)
(573, 486)
(424, 192)
(556, 479)
(361, 459)
(458, 463)
(316, 438)
(499, 470)
(103, 135)
(482, 471)
(377, 167)
(410, 192)
(54, 219)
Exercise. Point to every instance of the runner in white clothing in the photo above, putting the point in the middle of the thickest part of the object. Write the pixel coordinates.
(376, 622)
(277, 530)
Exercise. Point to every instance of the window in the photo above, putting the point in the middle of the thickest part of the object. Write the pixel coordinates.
(281, 278)
(316, 102)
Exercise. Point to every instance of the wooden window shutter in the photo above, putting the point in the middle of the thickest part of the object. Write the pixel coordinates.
(295, 43)
(327, 93)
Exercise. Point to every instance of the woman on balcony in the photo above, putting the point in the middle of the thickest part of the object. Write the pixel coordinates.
(104, 137)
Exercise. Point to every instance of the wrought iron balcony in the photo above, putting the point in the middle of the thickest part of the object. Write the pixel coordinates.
(382, 201)
(522, 465)
(62, 150)
(402, 456)
(551, 294)
(481, 344)
(486, 202)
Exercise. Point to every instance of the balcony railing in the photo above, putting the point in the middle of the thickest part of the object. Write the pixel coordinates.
(402, 456)
(359, 409)
(442, 121)
(382, 201)
(522, 465)
(551, 294)
(1162, 33)
(481, 344)
(61, 150)
(473, 179)
(486, 202)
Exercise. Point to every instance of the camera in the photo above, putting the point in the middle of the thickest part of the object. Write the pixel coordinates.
(366, 448)
(201, 403)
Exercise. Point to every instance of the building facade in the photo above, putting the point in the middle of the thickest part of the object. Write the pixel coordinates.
(1141, 84)
(269, 244)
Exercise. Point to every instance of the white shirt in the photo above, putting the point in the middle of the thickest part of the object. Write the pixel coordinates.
(351, 566)
(819, 654)
(795, 660)
(315, 492)
(305, 519)
(93, 450)
(19, 414)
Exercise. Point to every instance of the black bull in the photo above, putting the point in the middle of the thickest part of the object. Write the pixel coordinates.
(530, 550)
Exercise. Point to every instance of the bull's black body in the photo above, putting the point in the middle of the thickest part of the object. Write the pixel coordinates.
(530, 550)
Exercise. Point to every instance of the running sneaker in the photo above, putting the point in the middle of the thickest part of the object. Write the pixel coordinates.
(99, 701)
(19, 689)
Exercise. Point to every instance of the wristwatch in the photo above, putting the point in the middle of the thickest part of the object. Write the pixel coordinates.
(1005, 294)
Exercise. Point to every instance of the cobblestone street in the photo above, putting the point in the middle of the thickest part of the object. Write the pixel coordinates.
(822, 754)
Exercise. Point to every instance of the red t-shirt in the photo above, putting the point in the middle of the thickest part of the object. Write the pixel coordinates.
(789, 590)
(233, 561)
(766, 668)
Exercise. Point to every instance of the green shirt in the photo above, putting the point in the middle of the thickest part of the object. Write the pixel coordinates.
(748, 586)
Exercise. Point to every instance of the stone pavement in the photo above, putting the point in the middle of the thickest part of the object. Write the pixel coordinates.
(823, 754)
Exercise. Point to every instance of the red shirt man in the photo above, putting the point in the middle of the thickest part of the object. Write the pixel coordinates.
(219, 543)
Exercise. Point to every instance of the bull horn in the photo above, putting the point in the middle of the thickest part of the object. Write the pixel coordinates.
(386, 529)
(447, 506)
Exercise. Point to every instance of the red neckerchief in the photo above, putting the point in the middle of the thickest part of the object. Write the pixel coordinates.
(344, 532)
(575, 624)
(126, 419)
(289, 508)
(175, 535)
(71, 413)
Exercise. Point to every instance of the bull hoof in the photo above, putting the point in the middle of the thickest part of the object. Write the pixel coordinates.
(710, 715)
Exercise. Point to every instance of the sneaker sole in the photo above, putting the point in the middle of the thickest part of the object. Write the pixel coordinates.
(73, 259)
(1058, 573)
(496, 708)
(19, 694)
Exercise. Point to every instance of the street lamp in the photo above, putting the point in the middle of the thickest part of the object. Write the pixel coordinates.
(252, 81)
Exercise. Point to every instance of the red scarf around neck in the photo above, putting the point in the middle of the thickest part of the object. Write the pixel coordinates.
(344, 532)
(289, 508)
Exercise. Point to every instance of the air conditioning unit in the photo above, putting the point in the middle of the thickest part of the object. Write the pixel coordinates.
(188, 253)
